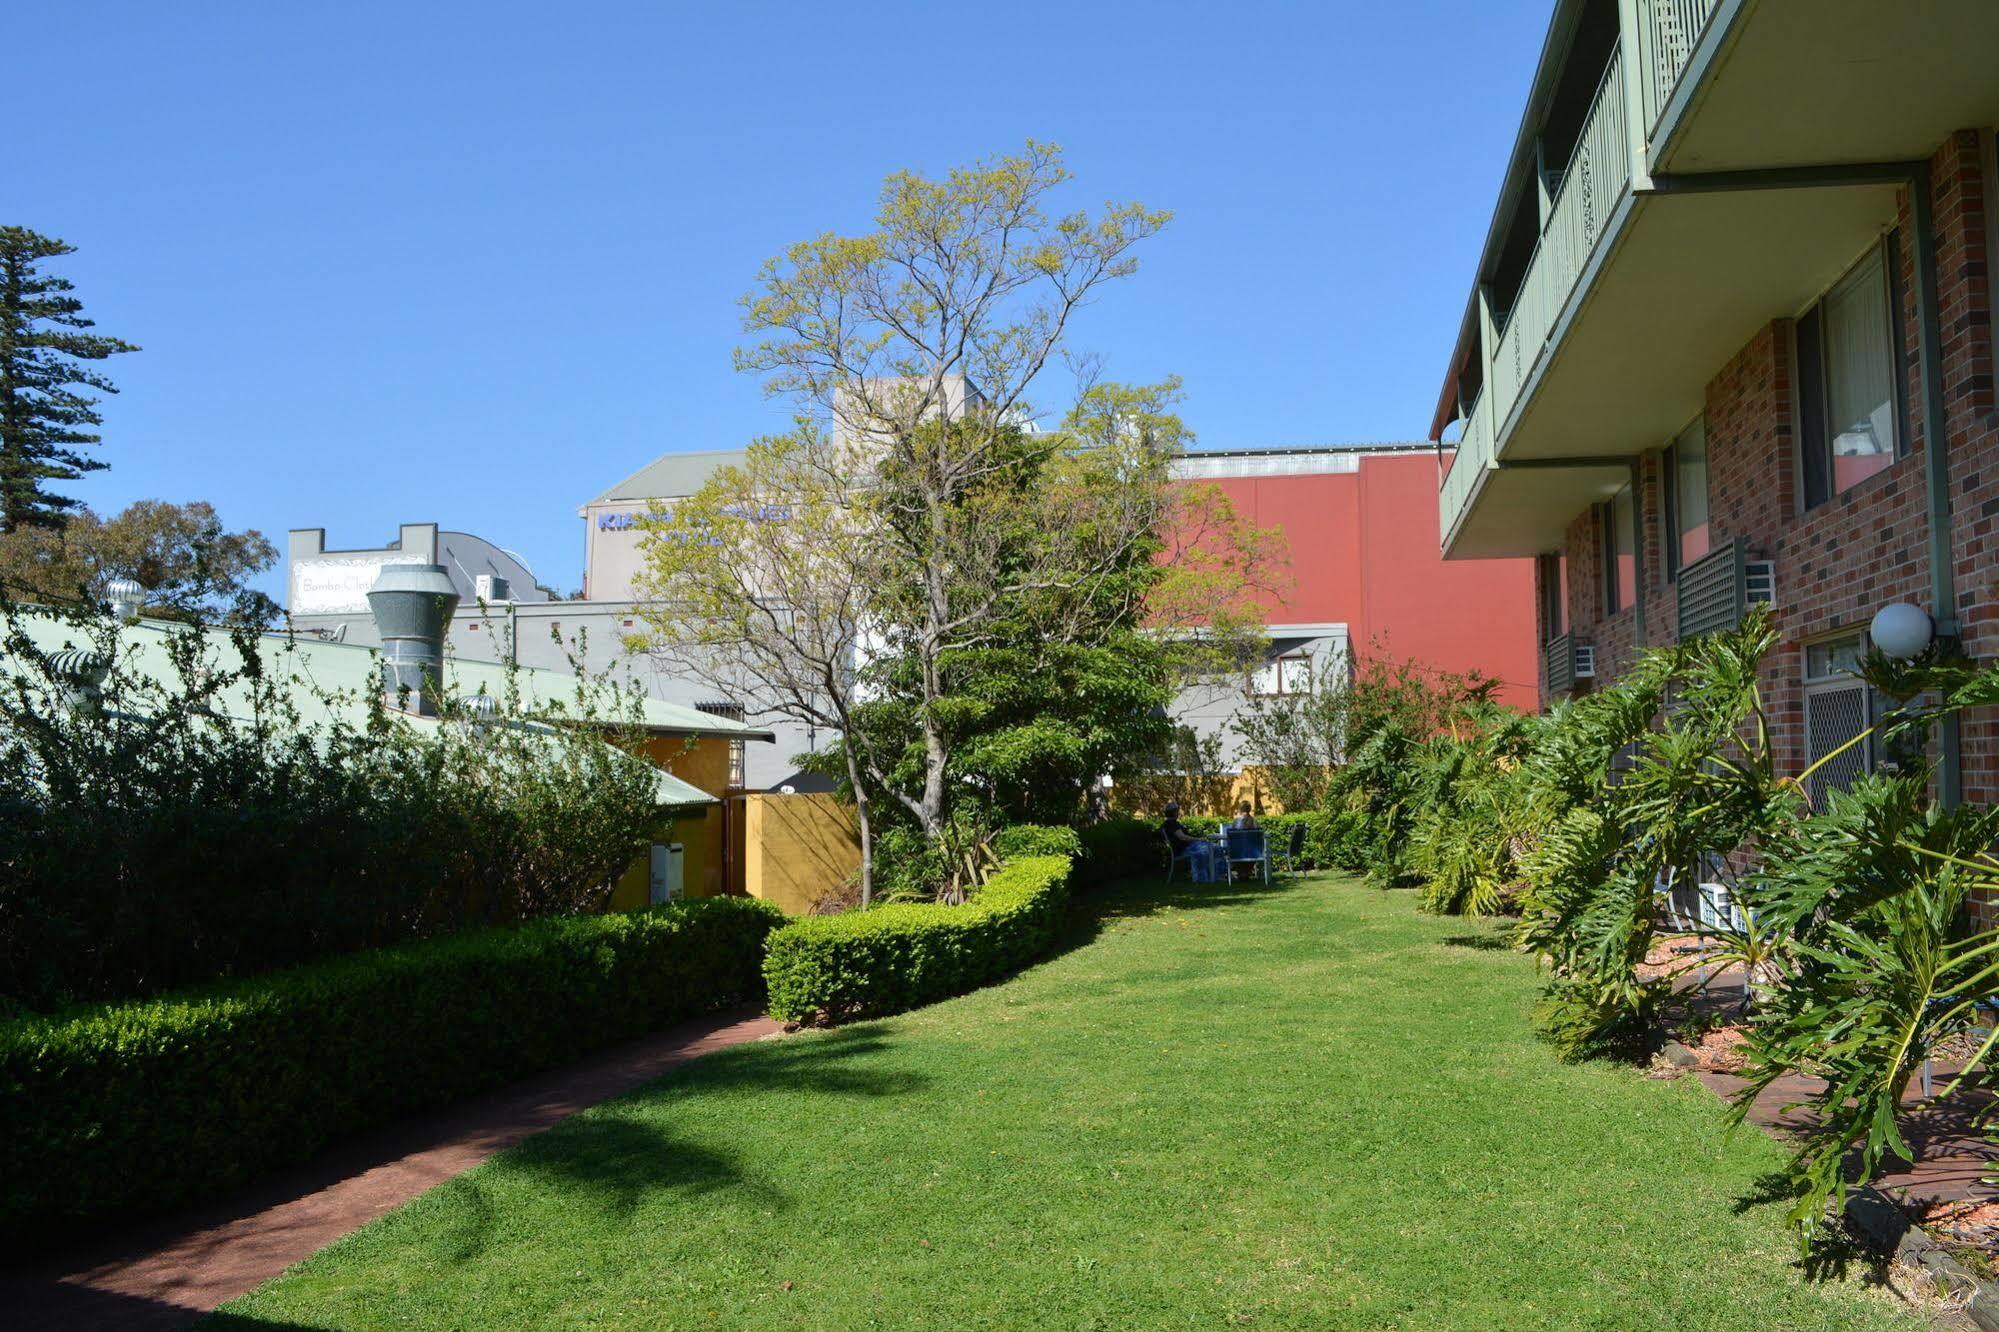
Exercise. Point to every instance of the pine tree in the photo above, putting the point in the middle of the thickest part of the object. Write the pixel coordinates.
(43, 419)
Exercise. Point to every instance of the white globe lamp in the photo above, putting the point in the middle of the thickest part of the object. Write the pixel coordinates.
(1901, 631)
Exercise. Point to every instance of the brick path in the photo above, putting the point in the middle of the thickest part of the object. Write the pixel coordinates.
(1954, 1157)
(168, 1272)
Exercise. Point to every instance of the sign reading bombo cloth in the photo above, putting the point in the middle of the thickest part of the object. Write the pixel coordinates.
(338, 584)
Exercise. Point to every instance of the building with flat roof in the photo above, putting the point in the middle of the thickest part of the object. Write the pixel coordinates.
(1367, 575)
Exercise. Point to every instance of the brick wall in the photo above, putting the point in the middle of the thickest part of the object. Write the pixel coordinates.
(1840, 562)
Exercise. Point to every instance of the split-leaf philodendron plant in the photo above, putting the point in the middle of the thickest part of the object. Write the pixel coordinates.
(1605, 821)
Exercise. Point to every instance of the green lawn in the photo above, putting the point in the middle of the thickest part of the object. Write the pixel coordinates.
(1306, 1106)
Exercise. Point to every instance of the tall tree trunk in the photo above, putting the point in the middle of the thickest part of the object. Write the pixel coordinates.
(864, 818)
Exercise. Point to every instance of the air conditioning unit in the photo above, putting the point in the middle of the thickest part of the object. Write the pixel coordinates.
(1759, 583)
(492, 589)
(1585, 661)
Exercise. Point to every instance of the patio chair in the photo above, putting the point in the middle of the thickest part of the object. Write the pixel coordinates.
(1186, 856)
(1248, 846)
(1286, 860)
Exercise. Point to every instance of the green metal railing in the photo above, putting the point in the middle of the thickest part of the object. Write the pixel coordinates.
(1668, 32)
(1597, 176)
(1593, 183)
(1474, 455)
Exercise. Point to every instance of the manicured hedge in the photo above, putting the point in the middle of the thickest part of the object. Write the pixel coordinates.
(1021, 840)
(1120, 848)
(139, 1105)
(891, 958)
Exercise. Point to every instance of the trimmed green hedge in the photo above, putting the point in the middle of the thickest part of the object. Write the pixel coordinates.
(139, 1105)
(888, 959)
(1120, 848)
(1021, 840)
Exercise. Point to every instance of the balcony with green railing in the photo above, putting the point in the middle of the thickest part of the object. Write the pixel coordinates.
(1588, 188)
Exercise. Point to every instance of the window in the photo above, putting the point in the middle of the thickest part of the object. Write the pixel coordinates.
(1686, 499)
(1849, 381)
(1837, 708)
(1291, 674)
(1552, 578)
(1619, 521)
(738, 759)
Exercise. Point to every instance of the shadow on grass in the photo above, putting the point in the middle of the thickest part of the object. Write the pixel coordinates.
(104, 1310)
(1837, 1251)
(612, 1162)
(1135, 899)
(1483, 943)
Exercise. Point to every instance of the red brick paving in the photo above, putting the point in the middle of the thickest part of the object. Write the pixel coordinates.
(1953, 1156)
(168, 1272)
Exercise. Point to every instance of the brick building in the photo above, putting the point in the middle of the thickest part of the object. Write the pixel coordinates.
(1732, 319)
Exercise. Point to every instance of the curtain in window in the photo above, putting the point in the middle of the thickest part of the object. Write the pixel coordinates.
(1860, 368)
(1624, 535)
(1690, 493)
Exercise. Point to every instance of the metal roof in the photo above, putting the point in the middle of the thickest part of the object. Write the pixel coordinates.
(672, 475)
(325, 681)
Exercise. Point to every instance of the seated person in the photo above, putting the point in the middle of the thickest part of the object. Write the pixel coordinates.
(1243, 818)
(1177, 835)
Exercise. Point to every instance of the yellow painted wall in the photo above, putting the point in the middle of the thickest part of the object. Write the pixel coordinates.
(704, 763)
(699, 761)
(697, 831)
(1142, 796)
(795, 848)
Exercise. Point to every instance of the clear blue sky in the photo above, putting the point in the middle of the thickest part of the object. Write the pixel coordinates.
(473, 263)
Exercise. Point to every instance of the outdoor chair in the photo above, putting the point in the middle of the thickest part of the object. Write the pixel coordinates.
(1248, 846)
(1175, 859)
(1286, 861)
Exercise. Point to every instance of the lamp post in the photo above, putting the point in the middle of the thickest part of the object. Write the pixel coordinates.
(1905, 632)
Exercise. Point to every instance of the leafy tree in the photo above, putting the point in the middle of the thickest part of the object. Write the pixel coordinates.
(190, 566)
(44, 348)
(922, 339)
(762, 584)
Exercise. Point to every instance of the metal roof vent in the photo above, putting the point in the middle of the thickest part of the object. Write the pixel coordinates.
(478, 709)
(79, 674)
(124, 594)
(412, 605)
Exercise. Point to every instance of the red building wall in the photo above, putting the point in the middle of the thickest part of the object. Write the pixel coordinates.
(1365, 552)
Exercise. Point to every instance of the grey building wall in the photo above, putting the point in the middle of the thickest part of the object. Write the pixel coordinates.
(611, 535)
(1211, 709)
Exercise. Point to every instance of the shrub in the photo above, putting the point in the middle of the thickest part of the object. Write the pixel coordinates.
(149, 1103)
(1341, 838)
(198, 826)
(1036, 839)
(898, 957)
(1118, 848)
